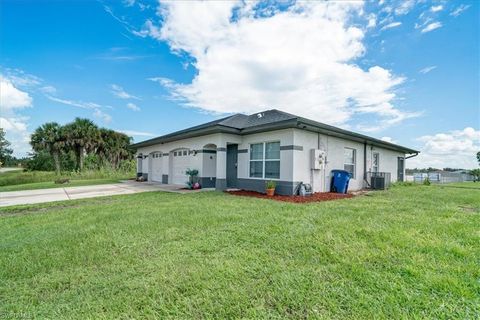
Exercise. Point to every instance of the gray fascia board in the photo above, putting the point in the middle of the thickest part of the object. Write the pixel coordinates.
(299, 123)
(186, 134)
(326, 129)
(284, 124)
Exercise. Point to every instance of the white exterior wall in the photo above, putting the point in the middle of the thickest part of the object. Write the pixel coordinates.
(334, 147)
(209, 165)
(295, 160)
(286, 156)
(196, 161)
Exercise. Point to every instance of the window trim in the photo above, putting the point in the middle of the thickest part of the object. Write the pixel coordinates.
(263, 160)
(350, 164)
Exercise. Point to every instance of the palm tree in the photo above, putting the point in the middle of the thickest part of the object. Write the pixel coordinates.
(113, 147)
(82, 136)
(49, 137)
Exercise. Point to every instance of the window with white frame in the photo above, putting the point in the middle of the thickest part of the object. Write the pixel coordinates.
(349, 161)
(265, 160)
(375, 162)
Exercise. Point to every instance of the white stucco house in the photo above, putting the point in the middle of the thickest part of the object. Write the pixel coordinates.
(245, 151)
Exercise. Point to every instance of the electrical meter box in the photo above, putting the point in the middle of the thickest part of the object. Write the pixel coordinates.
(318, 159)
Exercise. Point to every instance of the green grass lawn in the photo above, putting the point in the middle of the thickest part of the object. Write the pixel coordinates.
(411, 252)
(30, 180)
(468, 185)
(51, 184)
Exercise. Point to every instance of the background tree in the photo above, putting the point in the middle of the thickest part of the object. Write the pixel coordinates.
(82, 136)
(476, 174)
(5, 151)
(49, 137)
(113, 147)
(478, 157)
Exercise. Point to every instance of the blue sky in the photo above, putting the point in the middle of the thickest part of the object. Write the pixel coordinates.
(404, 71)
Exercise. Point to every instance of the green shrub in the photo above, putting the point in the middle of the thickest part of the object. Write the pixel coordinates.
(19, 177)
(426, 182)
(270, 184)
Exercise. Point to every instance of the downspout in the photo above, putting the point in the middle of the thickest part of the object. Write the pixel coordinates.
(365, 164)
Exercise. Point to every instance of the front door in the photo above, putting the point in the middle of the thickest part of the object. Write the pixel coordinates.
(232, 158)
(401, 167)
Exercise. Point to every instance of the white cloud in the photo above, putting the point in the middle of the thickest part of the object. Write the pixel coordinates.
(13, 124)
(48, 89)
(128, 3)
(427, 69)
(137, 133)
(122, 94)
(119, 54)
(133, 107)
(20, 78)
(436, 8)
(282, 60)
(105, 117)
(97, 108)
(454, 149)
(16, 128)
(388, 139)
(11, 97)
(73, 103)
(13, 100)
(459, 10)
(391, 25)
(432, 26)
(404, 7)
(372, 20)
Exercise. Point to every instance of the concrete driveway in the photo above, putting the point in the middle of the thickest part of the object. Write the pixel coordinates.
(71, 193)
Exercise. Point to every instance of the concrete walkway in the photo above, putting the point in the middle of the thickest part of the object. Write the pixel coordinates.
(70, 193)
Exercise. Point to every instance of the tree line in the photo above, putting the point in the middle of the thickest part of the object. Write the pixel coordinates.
(80, 139)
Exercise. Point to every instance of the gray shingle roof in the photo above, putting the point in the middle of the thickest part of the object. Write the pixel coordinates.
(266, 121)
(241, 121)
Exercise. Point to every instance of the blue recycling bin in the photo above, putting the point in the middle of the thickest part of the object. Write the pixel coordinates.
(340, 179)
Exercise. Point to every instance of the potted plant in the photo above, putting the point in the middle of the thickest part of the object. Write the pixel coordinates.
(270, 188)
(192, 179)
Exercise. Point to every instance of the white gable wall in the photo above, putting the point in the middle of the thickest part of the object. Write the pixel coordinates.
(334, 147)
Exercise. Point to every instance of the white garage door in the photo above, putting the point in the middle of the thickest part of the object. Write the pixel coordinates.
(156, 167)
(180, 164)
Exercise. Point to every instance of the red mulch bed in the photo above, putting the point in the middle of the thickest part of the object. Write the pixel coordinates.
(316, 197)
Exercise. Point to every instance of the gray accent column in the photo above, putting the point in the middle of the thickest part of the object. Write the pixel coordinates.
(165, 178)
(221, 172)
(220, 184)
(139, 165)
(208, 182)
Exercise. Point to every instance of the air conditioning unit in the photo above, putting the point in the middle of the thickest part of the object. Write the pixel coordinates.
(318, 159)
(378, 183)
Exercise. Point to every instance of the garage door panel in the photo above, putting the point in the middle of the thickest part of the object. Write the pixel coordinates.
(180, 164)
(156, 168)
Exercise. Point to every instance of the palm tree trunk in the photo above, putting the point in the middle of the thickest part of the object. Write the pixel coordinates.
(56, 160)
(80, 158)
